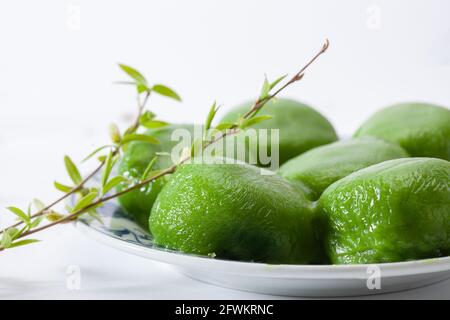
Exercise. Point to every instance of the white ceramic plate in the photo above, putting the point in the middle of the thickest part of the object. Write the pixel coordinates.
(120, 232)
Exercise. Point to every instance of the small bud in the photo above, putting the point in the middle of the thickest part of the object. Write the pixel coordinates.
(325, 45)
(114, 133)
(84, 192)
(53, 216)
(299, 77)
(241, 121)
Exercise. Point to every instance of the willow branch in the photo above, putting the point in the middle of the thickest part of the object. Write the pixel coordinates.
(141, 106)
(297, 77)
(94, 204)
(80, 186)
(258, 105)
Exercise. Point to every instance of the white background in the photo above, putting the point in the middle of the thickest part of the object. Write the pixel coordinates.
(57, 67)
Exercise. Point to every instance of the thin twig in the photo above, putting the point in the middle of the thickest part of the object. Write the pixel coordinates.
(141, 106)
(297, 77)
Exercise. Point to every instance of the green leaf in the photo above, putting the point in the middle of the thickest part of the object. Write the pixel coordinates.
(152, 124)
(109, 164)
(224, 126)
(23, 242)
(134, 74)
(277, 81)
(85, 201)
(163, 154)
(153, 173)
(62, 187)
(265, 89)
(93, 153)
(147, 119)
(139, 137)
(197, 147)
(72, 170)
(149, 167)
(36, 221)
(6, 240)
(29, 209)
(94, 215)
(255, 120)
(240, 121)
(9, 235)
(53, 216)
(112, 183)
(114, 133)
(142, 88)
(147, 116)
(165, 91)
(38, 204)
(13, 232)
(211, 114)
(20, 214)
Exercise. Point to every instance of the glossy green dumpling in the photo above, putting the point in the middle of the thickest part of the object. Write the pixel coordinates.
(301, 127)
(231, 211)
(320, 167)
(422, 129)
(394, 211)
(133, 163)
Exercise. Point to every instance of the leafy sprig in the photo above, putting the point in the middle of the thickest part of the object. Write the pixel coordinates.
(142, 85)
(78, 185)
(90, 198)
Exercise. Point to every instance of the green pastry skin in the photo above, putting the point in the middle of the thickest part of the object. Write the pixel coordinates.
(301, 127)
(394, 211)
(233, 212)
(133, 163)
(360, 201)
(321, 166)
(423, 130)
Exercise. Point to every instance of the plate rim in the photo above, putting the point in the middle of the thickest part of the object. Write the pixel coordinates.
(257, 269)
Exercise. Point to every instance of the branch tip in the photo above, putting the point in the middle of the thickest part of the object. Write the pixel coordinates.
(299, 76)
(325, 45)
